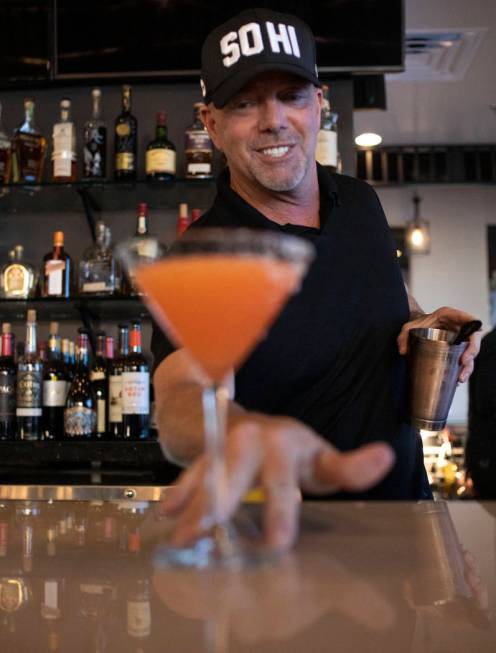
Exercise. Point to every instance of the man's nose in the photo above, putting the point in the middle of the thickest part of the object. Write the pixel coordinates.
(272, 115)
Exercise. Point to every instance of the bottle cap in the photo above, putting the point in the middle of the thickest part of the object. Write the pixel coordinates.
(183, 210)
(161, 118)
(31, 315)
(58, 238)
(96, 92)
(54, 328)
(6, 327)
(65, 103)
(143, 208)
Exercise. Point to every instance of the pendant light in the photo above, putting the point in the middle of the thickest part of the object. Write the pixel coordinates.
(418, 237)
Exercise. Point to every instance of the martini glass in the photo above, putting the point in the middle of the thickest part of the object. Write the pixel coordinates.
(216, 292)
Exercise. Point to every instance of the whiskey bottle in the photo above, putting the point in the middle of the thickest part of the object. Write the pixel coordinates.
(7, 385)
(57, 269)
(98, 378)
(80, 415)
(327, 139)
(116, 366)
(64, 146)
(97, 268)
(95, 142)
(5, 154)
(126, 140)
(199, 148)
(55, 387)
(29, 148)
(161, 153)
(29, 386)
(135, 389)
(18, 278)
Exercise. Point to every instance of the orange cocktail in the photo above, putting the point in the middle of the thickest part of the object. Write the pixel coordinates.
(218, 306)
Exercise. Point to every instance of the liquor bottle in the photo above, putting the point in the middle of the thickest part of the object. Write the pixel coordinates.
(95, 142)
(183, 220)
(80, 416)
(199, 148)
(116, 366)
(97, 268)
(18, 277)
(161, 153)
(55, 388)
(7, 385)
(29, 386)
(64, 157)
(126, 140)
(57, 269)
(29, 148)
(67, 360)
(147, 248)
(139, 617)
(327, 139)
(135, 389)
(5, 154)
(72, 359)
(51, 611)
(98, 378)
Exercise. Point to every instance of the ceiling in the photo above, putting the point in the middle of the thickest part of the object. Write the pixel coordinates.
(442, 109)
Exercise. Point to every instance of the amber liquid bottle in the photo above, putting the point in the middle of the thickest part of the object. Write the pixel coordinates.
(57, 270)
(29, 148)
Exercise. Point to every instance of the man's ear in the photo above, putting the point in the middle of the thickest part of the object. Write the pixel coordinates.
(208, 115)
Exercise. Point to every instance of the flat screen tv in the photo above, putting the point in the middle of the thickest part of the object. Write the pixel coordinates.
(162, 38)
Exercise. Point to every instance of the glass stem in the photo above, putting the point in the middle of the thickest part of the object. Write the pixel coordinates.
(215, 404)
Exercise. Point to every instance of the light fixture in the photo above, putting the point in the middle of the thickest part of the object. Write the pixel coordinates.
(368, 139)
(418, 236)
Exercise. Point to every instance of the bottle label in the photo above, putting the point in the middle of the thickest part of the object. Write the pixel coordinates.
(54, 272)
(29, 386)
(101, 416)
(161, 160)
(63, 149)
(15, 280)
(124, 161)
(97, 375)
(94, 151)
(79, 421)
(115, 398)
(123, 129)
(139, 618)
(327, 148)
(198, 141)
(199, 169)
(135, 393)
(96, 286)
(55, 393)
(7, 395)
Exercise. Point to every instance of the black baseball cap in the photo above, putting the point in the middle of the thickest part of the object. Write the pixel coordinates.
(253, 42)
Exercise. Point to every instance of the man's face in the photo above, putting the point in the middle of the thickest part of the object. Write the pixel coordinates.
(268, 131)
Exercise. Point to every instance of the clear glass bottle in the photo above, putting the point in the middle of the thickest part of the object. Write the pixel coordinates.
(161, 153)
(29, 148)
(327, 139)
(199, 149)
(5, 154)
(57, 270)
(80, 415)
(64, 156)
(97, 268)
(29, 386)
(95, 142)
(126, 140)
(18, 278)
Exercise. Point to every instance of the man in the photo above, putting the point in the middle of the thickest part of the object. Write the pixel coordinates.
(329, 375)
(480, 453)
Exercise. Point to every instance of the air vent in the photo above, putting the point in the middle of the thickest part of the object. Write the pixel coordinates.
(434, 55)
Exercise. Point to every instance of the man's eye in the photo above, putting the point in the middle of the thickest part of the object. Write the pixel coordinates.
(243, 104)
(295, 96)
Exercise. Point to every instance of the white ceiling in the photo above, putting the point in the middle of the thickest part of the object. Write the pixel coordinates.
(447, 110)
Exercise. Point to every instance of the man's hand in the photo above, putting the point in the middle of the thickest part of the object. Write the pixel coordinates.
(282, 455)
(445, 318)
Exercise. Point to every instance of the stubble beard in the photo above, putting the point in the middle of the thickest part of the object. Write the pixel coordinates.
(280, 179)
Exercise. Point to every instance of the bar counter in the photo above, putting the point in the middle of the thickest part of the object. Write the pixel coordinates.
(85, 576)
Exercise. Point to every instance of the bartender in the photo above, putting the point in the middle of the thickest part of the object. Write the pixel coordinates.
(320, 405)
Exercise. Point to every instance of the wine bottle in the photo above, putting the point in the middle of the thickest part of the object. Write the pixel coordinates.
(57, 269)
(80, 415)
(161, 153)
(98, 378)
(183, 220)
(126, 140)
(55, 388)
(135, 389)
(116, 366)
(29, 386)
(7, 385)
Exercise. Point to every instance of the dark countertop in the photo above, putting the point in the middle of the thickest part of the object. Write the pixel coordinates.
(85, 577)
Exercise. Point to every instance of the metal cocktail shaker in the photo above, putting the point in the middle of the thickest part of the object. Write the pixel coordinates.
(434, 365)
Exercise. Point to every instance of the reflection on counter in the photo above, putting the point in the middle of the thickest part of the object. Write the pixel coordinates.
(86, 577)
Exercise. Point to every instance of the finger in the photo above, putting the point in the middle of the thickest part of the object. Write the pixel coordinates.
(178, 496)
(355, 470)
(402, 339)
(466, 371)
(472, 348)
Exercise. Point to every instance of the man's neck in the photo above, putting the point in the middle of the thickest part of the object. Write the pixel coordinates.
(298, 207)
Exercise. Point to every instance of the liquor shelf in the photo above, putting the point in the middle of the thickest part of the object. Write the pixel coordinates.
(105, 195)
(113, 308)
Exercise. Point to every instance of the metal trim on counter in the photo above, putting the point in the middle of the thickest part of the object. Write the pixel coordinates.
(82, 493)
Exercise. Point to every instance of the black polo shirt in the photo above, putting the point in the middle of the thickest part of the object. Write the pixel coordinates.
(331, 358)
